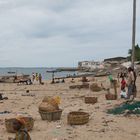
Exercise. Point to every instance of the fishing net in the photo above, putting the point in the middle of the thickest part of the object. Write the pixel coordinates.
(131, 107)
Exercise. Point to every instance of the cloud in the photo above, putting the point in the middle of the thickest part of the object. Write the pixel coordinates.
(63, 32)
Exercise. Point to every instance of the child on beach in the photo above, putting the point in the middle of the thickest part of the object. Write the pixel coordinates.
(123, 86)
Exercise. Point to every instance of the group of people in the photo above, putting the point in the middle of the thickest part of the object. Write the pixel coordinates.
(128, 83)
(37, 77)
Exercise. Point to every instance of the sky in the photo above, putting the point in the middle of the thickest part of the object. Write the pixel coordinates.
(53, 33)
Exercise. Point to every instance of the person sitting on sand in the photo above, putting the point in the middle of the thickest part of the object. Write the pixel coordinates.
(21, 133)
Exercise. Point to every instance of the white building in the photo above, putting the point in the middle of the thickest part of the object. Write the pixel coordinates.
(90, 65)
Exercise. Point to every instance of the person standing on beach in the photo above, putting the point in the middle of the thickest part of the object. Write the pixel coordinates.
(40, 78)
(110, 77)
(130, 82)
(134, 86)
(33, 77)
(36, 76)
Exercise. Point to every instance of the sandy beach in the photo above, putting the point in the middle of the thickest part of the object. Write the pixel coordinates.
(101, 126)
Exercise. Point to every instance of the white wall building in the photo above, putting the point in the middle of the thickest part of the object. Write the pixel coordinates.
(90, 65)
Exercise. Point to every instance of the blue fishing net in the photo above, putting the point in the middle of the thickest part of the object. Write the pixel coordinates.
(131, 107)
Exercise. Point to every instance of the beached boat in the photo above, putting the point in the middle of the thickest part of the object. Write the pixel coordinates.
(11, 72)
(14, 78)
(7, 79)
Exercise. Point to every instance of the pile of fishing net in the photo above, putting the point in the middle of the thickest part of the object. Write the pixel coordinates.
(126, 108)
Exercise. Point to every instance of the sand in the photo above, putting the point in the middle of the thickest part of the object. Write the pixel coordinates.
(101, 126)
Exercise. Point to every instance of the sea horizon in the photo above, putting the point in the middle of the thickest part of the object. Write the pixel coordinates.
(4, 71)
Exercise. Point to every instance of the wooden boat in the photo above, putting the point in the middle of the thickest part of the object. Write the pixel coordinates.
(11, 72)
(15, 79)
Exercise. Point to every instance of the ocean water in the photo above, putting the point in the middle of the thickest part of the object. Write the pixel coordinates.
(29, 71)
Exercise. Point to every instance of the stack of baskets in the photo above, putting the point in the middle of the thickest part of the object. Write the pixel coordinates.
(77, 118)
(91, 100)
(29, 123)
(49, 109)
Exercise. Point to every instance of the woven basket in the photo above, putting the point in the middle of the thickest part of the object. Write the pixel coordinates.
(77, 118)
(51, 116)
(95, 87)
(91, 100)
(29, 123)
(110, 96)
(85, 86)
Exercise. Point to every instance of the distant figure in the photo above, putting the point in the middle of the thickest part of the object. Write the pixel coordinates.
(40, 78)
(36, 76)
(110, 77)
(74, 74)
(63, 81)
(53, 81)
(33, 77)
(21, 133)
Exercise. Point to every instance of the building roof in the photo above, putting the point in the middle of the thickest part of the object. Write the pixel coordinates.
(115, 59)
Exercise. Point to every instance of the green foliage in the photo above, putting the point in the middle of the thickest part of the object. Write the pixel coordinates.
(137, 53)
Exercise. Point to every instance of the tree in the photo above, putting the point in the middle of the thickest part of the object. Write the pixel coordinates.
(137, 53)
